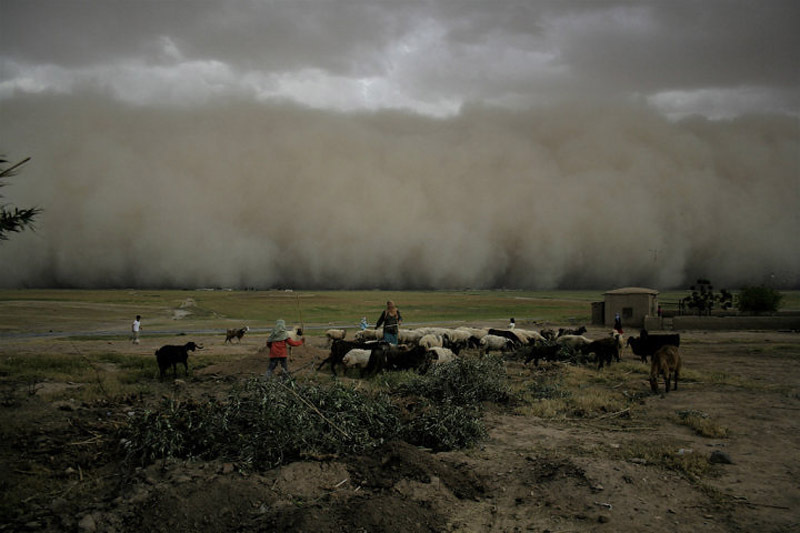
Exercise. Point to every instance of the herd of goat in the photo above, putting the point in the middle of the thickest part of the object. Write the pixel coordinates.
(418, 349)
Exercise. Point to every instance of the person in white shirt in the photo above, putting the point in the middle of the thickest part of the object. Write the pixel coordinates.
(135, 328)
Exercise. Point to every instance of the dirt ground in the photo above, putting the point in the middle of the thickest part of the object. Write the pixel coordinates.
(531, 474)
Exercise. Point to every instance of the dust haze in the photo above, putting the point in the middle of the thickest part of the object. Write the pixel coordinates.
(238, 194)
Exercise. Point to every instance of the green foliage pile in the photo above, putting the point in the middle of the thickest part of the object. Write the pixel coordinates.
(758, 300)
(262, 424)
(447, 411)
(465, 381)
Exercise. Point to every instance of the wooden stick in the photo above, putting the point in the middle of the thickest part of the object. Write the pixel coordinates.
(610, 415)
(334, 426)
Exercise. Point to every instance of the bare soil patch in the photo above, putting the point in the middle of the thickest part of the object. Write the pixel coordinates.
(635, 469)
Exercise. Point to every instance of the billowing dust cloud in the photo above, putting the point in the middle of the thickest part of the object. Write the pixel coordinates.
(240, 195)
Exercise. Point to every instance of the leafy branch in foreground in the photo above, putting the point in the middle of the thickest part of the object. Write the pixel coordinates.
(16, 219)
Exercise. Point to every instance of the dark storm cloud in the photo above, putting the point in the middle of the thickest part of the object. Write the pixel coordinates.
(402, 144)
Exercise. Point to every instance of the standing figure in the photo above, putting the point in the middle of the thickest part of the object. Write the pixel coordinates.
(136, 327)
(512, 324)
(363, 324)
(391, 320)
(278, 343)
(617, 323)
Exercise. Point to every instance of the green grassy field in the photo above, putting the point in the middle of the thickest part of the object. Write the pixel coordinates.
(27, 311)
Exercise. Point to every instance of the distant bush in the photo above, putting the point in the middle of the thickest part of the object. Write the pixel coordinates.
(758, 300)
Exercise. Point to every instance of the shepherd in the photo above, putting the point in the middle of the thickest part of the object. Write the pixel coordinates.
(391, 320)
(277, 343)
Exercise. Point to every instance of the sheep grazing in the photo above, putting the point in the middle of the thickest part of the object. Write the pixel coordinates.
(339, 349)
(357, 358)
(667, 362)
(548, 334)
(335, 335)
(400, 357)
(574, 342)
(430, 340)
(170, 355)
(547, 351)
(442, 355)
(605, 349)
(456, 340)
(566, 331)
(508, 334)
(368, 335)
(526, 336)
(489, 343)
(647, 344)
(236, 333)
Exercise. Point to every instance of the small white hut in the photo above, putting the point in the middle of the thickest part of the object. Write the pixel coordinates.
(632, 304)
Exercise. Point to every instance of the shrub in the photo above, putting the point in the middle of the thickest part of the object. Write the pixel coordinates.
(758, 300)
(443, 426)
(464, 381)
(262, 424)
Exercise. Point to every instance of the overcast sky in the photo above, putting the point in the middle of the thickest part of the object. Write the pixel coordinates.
(402, 144)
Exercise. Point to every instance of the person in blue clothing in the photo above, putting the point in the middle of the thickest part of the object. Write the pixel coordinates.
(363, 324)
(391, 320)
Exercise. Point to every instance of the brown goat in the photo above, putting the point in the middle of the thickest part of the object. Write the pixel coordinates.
(667, 361)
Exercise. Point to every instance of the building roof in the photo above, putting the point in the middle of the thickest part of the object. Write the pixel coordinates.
(632, 290)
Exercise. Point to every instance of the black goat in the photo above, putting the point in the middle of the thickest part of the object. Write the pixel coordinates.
(171, 354)
(339, 349)
(546, 350)
(646, 344)
(416, 358)
(605, 349)
(508, 334)
(566, 331)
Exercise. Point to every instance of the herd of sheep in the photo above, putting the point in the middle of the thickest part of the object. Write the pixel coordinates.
(418, 349)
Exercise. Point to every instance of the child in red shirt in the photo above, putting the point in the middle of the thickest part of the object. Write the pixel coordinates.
(277, 342)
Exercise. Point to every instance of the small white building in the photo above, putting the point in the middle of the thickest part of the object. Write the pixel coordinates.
(632, 304)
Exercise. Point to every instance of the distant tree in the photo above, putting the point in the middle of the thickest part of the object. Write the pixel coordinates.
(14, 220)
(703, 300)
(758, 300)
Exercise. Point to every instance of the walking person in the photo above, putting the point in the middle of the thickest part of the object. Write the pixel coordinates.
(278, 343)
(617, 323)
(136, 327)
(363, 324)
(391, 320)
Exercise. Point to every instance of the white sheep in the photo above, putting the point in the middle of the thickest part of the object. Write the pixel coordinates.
(430, 340)
(368, 335)
(528, 336)
(475, 332)
(356, 358)
(409, 336)
(335, 335)
(442, 355)
(494, 342)
(458, 335)
(573, 341)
